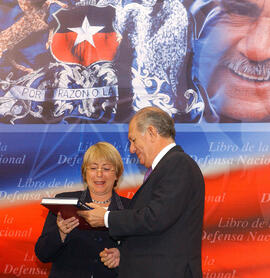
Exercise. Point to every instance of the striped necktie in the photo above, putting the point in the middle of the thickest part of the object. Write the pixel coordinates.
(147, 173)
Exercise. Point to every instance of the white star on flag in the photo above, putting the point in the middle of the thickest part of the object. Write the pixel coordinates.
(86, 32)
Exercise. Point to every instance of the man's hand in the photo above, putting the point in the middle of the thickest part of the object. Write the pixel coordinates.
(95, 216)
(110, 257)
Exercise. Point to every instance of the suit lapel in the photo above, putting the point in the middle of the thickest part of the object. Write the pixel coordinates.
(176, 148)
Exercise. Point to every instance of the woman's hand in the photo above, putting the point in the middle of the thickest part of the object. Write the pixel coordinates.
(65, 226)
(110, 257)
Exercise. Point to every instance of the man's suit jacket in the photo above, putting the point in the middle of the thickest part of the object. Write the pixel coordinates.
(161, 231)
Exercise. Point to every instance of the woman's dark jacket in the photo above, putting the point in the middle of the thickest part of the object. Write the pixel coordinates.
(78, 255)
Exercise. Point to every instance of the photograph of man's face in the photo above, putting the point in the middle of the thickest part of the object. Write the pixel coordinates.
(232, 60)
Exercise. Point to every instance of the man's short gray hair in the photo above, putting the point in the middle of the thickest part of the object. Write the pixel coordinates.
(156, 117)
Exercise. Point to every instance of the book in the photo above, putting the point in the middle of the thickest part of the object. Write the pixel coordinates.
(68, 208)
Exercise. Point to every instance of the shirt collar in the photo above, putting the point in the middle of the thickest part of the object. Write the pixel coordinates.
(161, 154)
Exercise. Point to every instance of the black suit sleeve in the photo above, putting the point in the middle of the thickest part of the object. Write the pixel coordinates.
(161, 202)
(49, 245)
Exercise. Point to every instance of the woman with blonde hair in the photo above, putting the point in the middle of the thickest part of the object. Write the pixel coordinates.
(75, 252)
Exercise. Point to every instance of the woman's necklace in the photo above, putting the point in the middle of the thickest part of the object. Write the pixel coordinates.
(102, 202)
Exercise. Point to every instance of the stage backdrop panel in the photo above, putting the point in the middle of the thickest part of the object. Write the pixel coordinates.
(73, 73)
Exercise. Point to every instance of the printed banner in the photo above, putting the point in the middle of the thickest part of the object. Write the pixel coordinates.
(74, 72)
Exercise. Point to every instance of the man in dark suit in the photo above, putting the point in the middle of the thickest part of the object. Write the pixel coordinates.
(161, 231)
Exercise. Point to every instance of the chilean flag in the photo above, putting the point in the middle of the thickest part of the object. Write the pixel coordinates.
(85, 35)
